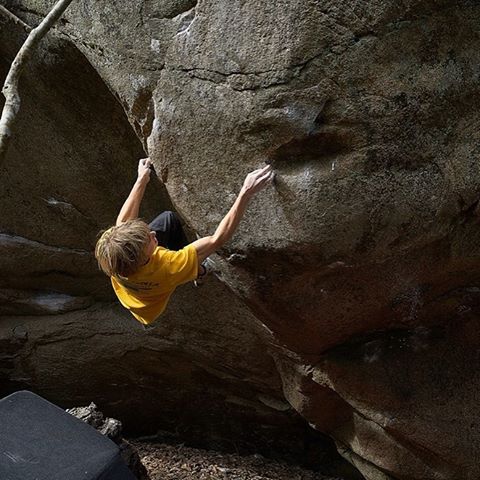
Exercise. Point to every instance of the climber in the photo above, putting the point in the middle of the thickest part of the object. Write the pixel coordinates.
(147, 262)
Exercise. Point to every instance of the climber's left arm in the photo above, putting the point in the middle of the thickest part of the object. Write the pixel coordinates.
(131, 207)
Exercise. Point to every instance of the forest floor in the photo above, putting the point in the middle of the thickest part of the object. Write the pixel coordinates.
(178, 462)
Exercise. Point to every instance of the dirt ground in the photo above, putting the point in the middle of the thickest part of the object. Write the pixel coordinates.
(168, 462)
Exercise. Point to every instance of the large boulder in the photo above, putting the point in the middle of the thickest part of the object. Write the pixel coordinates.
(203, 374)
(361, 264)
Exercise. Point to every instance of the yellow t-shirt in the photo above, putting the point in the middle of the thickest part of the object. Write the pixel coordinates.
(147, 291)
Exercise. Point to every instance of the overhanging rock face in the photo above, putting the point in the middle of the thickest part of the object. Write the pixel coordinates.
(362, 261)
(203, 372)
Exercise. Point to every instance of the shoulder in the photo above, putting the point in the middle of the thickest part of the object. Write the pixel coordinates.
(172, 255)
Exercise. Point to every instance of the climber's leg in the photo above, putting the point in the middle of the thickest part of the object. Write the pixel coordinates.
(169, 231)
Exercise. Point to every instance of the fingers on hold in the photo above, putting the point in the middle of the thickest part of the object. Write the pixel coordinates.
(267, 173)
(259, 172)
(266, 176)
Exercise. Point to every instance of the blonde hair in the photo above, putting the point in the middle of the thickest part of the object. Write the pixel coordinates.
(120, 250)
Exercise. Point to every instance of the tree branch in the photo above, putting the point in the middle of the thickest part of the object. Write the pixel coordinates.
(8, 14)
(10, 87)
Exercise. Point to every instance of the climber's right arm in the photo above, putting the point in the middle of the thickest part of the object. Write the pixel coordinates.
(253, 183)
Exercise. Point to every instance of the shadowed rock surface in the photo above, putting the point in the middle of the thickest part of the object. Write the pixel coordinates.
(355, 280)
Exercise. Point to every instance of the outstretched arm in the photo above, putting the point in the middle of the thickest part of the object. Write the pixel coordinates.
(130, 208)
(253, 183)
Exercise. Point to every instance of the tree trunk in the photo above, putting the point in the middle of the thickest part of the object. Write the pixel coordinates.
(10, 16)
(10, 87)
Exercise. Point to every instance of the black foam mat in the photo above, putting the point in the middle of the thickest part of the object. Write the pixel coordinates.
(40, 441)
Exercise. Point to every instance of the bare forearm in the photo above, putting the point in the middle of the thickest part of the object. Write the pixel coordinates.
(207, 245)
(229, 224)
(253, 183)
(131, 207)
